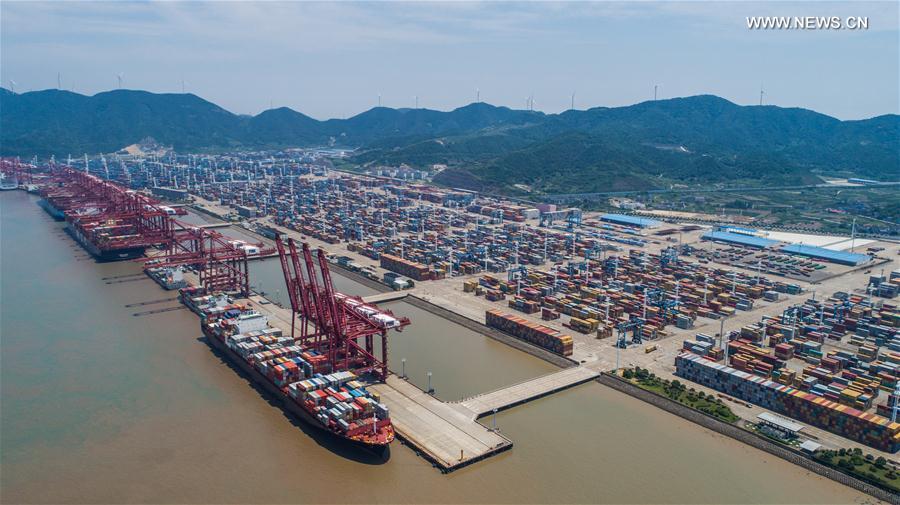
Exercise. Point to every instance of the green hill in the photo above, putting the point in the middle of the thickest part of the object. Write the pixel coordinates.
(696, 140)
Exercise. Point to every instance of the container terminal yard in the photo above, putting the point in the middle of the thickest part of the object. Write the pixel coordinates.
(800, 327)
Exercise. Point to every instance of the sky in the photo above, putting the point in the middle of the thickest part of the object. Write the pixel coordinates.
(335, 59)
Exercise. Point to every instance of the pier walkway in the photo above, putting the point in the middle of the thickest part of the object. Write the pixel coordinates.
(210, 226)
(390, 296)
(447, 434)
(517, 394)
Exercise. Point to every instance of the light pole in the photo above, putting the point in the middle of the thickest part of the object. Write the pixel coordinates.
(618, 350)
(723, 342)
(705, 288)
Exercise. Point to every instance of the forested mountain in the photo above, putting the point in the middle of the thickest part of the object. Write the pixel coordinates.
(694, 140)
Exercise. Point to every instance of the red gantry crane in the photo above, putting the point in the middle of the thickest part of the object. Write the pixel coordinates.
(113, 222)
(339, 326)
(14, 173)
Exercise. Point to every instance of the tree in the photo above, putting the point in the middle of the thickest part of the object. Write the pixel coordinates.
(880, 462)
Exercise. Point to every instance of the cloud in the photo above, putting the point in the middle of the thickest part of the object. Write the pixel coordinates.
(332, 58)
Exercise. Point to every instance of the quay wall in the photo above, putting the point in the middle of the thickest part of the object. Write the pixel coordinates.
(747, 437)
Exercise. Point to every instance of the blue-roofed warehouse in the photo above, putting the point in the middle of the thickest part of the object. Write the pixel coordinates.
(622, 219)
(739, 239)
(841, 257)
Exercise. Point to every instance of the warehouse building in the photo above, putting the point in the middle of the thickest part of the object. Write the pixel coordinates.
(777, 426)
(820, 253)
(638, 222)
(739, 239)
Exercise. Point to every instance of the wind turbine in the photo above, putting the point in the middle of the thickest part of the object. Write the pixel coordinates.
(573, 101)
(12, 85)
(477, 95)
(119, 76)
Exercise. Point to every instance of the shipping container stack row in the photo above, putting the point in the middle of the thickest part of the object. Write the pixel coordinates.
(336, 398)
(539, 335)
(870, 429)
(377, 216)
(885, 287)
(704, 345)
(872, 327)
(582, 292)
(206, 174)
(837, 375)
(411, 269)
(346, 208)
(508, 211)
(872, 324)
(474, 250)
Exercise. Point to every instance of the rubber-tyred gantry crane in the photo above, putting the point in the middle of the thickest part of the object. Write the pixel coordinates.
(340, 326)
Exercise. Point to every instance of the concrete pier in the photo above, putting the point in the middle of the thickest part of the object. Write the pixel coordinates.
(445, 433)
(448, 434)
(210, 226)
(517, 394)
(390, 296)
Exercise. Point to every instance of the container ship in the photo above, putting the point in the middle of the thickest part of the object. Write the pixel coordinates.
(169, 278)
(335, 402)
(93, 240)
(8, 182)
(55, 212)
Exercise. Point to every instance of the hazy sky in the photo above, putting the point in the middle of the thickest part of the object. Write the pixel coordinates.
(334, 59)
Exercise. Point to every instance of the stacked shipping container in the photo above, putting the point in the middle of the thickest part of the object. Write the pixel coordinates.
(869, 429)
(537, 334)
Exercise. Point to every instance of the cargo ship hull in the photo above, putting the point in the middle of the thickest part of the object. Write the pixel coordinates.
(104, 256)
(53, 211)
(288, 403)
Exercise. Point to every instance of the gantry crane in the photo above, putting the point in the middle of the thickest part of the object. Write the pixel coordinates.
(340, 326)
